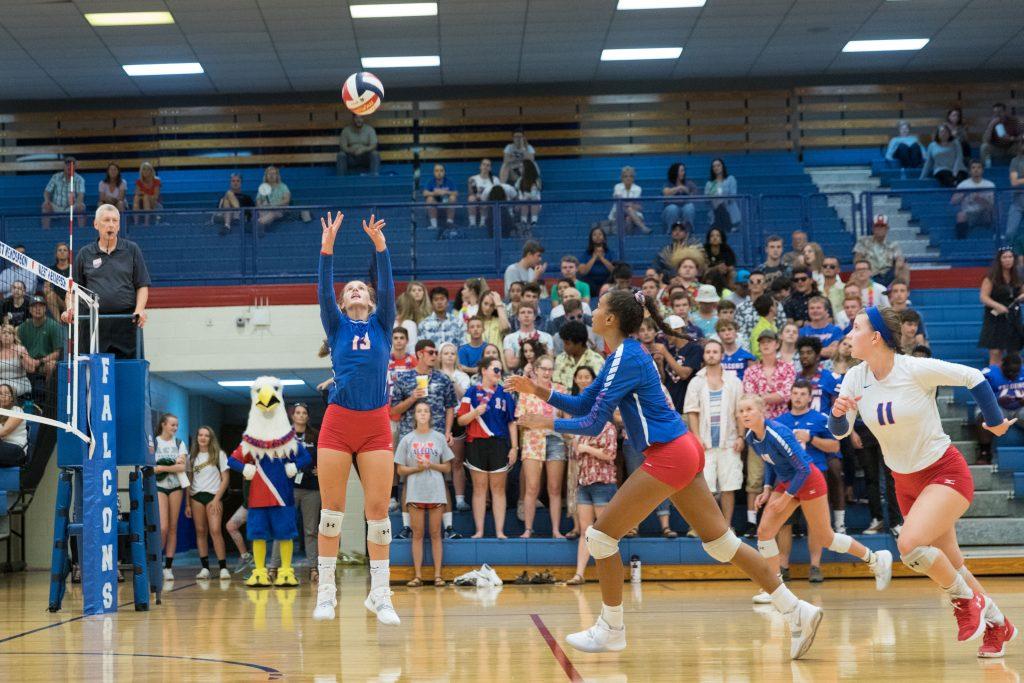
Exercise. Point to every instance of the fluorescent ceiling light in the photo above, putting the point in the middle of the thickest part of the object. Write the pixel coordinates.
(394, 9)
(163, 69)
(658, 4)
(641, 53)
(398, 62)
(246, 383)
(885, 45)
(129, 18)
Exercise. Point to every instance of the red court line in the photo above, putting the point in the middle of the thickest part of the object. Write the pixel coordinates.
(557, 650)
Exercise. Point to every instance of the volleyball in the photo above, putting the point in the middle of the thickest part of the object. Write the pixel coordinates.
(362, 93)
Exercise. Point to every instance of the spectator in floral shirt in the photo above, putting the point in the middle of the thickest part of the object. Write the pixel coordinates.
(746, 315)
(442, 325)
(595, 458)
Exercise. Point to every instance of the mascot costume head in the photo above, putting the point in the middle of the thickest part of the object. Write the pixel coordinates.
(270, 457)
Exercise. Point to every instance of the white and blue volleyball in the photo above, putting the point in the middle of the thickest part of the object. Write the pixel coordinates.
(363, 92)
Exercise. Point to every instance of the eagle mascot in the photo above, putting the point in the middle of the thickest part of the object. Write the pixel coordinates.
(269, 457)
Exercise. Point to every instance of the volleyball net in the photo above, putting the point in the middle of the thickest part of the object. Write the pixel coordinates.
(34, 340)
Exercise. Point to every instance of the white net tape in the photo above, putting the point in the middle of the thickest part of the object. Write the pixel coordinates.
(34, 340)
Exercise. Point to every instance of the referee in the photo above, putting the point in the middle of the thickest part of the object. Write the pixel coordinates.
(113, 268)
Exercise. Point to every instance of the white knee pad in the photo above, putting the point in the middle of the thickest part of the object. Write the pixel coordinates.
(378, 531)
(840, 543)
(600, 544)
(921, 558)
(964, 571)
(768, 548)
(724, 548)
(330, 523)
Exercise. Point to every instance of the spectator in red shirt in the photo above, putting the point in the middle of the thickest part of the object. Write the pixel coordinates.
(1001, 135)
(147, 191)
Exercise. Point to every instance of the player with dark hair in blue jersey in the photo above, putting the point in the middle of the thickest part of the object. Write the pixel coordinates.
(357, 423)
(673, 468)
(792, 480)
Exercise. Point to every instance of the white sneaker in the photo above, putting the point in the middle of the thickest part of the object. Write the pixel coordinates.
(599, 638)
(882, 569)
(896, 530)
(204, 573)
(393, 505)
(325, 602)
(762, 598)
(379, 602)
(168, 574)
(803, 626)
(875, 526)
(840, 528)
(225, 574)
(488, 571)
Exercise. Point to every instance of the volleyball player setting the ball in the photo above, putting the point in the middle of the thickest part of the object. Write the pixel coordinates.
(357, 422)
(895, 396)
(672, 469)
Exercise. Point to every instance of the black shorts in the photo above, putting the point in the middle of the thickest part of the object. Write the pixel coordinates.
(488, 455)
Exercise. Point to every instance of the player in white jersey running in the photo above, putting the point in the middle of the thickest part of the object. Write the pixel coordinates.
(895, 396)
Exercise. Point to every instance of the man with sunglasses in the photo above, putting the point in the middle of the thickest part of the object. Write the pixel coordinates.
(832, 287)
(804, 289)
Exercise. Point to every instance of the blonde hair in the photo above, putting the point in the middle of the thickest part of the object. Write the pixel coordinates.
(694, 253)
(819, 256)
(408, 308)
(143, 166)
(756, 399)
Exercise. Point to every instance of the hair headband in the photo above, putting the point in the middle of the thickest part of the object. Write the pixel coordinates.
(639, 296)
(878, 322)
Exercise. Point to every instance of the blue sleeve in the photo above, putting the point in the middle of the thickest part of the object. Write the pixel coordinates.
(330, 316)
(987, 403)
(581, 404)
(613, 390)
(839, 426)
(893, 143)
(235, 464)
(769, 474)
(790, 448)
(302, 458)
(385, 292)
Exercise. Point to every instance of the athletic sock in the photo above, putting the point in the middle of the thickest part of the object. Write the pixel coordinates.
(168, 561)
(325, 566)
(993, 615)
(433, 222)
(868, 556)
(612, 615)
(205, 561)
(405, 520)
(380, 574)
(784, 599)
(959, 590)
(752, 517)
(460, 500)
(472, 221)
(223, 564)
(839, 518)
(446, 519)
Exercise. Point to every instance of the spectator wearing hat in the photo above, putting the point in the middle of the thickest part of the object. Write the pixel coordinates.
(682, 358)
(885, 257)
(706, 315)
(63, 186)
(667, 261)
(678, 187)
(741, 287)
(42, 337)
(765, 306)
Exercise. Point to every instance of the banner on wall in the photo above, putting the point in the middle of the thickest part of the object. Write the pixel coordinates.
(99, 489)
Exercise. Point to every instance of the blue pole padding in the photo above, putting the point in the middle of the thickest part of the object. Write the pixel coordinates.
(99, 520)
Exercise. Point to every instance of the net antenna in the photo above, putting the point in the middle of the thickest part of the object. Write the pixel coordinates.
(20, 267)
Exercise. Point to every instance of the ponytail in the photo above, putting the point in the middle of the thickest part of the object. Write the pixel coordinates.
(651, 305)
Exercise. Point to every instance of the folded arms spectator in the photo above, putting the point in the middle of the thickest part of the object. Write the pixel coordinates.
(358, 147)
(945, 159)
(113, 188)
(42, 337)
(1001, 135)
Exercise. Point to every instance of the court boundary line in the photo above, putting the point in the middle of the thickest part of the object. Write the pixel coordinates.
(272, 673)
(78, 618)
(556, 650)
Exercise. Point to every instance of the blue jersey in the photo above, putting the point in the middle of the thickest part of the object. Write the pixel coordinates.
(826, 335)
(738, 362)
(1010, 394)
(501, 410)
(786, 461)
(829, 382)
(360, 349)
(817, 424)
(470, 355)
(628, 381)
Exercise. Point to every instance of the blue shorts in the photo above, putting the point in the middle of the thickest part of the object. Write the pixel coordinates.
(555, 447)
(595, 494)
(271, 524)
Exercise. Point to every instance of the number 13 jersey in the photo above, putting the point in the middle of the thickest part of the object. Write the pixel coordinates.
(901, 411)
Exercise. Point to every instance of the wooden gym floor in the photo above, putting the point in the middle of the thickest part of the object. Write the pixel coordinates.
(693, 631)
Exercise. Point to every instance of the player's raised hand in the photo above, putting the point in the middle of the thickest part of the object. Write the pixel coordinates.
(1001, 429)
(331, 226)
(520, 384)
(375, 230)
(844, 405)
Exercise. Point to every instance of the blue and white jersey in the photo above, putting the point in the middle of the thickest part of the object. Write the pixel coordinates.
(628, 381)
(738, 362)
(829, 383)
(1009, 393)
(785, 460)
(360, 349)
(826, 335)
(817, 424)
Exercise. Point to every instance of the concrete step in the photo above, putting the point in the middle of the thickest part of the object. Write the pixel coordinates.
(969, 449)
(988, 531)
(983, 476)
(956, 427)
(989, 504)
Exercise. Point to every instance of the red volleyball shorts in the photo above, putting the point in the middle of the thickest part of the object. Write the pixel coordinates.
(950, 470)
(677, 462)
(355, 431)
(814, 486)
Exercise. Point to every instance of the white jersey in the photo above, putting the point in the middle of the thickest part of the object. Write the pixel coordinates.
(900, 410)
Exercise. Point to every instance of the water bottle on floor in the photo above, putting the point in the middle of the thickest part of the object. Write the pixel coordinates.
(634, 569)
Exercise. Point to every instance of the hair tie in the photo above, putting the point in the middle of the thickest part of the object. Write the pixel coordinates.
(639, 296)
(878, 322)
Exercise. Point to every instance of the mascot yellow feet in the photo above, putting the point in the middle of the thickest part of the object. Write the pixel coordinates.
(286, 577)
(260, 578)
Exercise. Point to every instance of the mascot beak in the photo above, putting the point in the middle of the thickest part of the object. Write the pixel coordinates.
(266, 399)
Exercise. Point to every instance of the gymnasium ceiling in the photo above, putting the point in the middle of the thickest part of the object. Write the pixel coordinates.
(49, 51)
